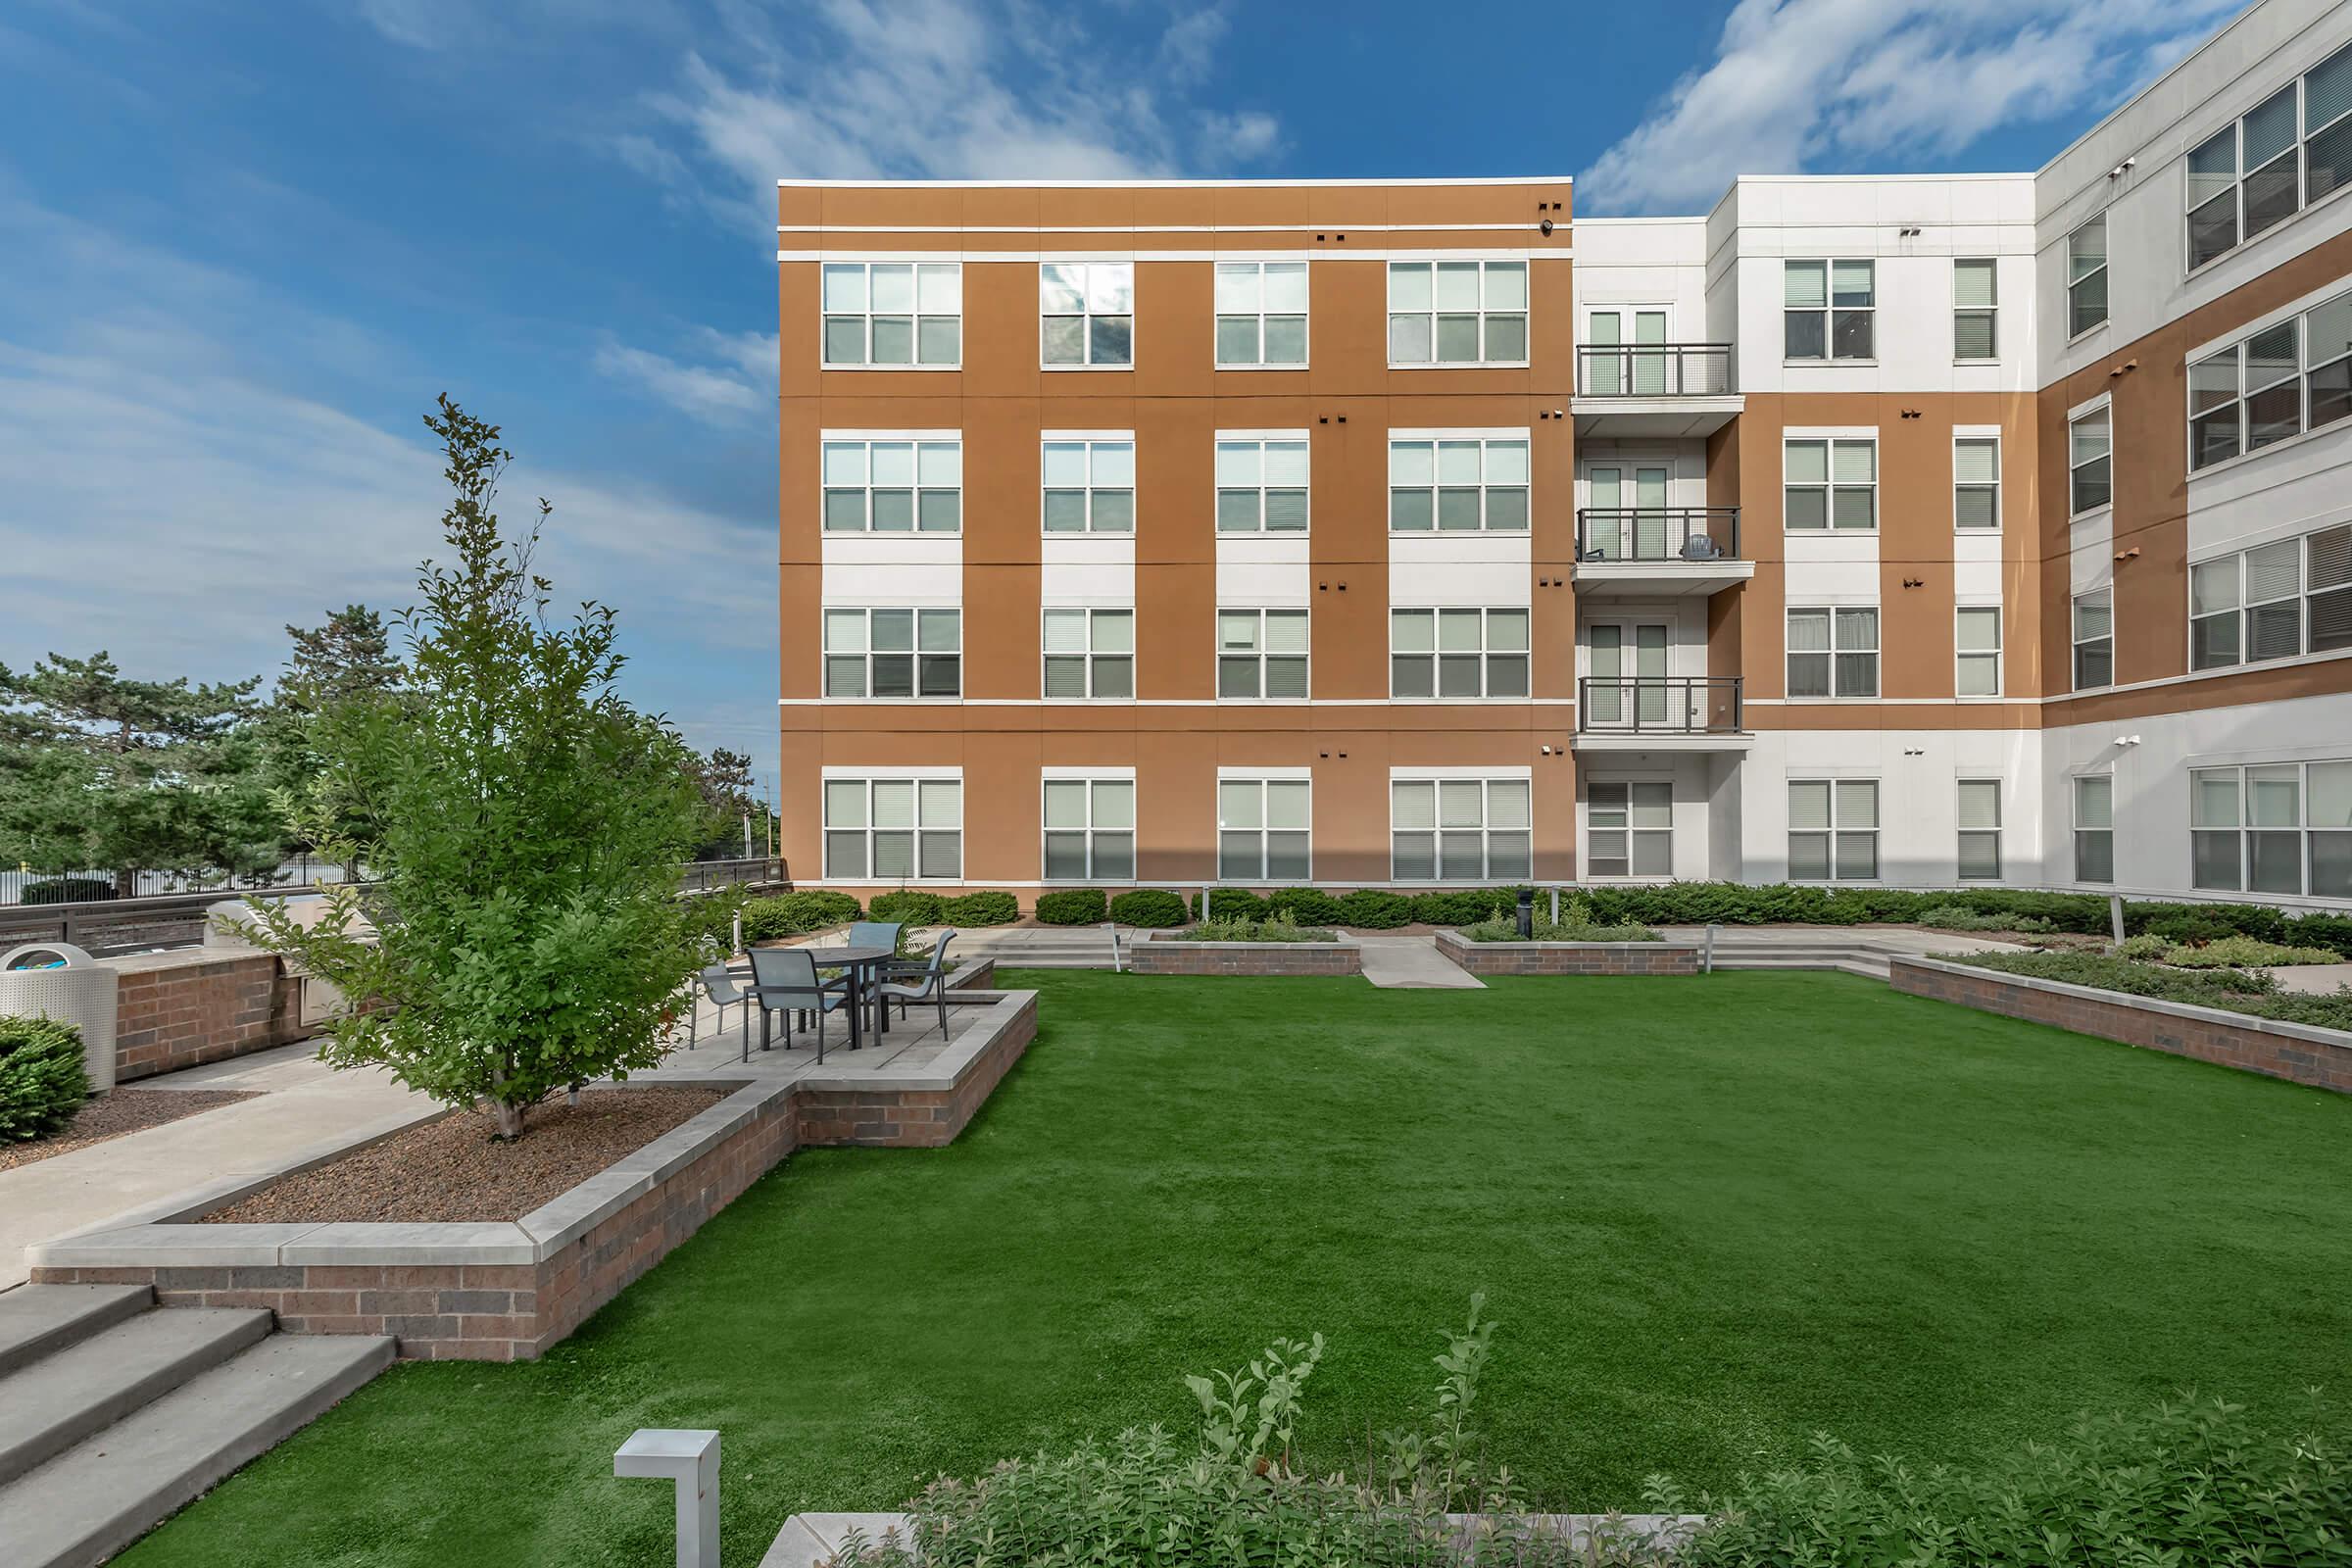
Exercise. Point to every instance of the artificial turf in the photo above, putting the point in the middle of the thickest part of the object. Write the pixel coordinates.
(1714, 1215)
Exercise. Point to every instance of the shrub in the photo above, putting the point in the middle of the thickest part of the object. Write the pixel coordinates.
(1151, 907)
(1372, 909)
(66, 889)
(1467, 907)
(1960, 917)
(1273, 928)
(42, 1079)
(1307, 905)
(907, 906)
(792, 914)
(2146, 947)
(2237, 990)
(1234, 904)
(1502, 930)
(2245, 953)
(1073, 906)
(980, 909)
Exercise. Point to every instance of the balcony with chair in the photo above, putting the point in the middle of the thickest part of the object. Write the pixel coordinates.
(1653, 550)
(1661, 714)
(1655, 391)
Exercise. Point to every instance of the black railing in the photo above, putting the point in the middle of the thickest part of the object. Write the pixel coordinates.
(1658, 533)
(701, 876)
(1660, 705)
(1654, 371)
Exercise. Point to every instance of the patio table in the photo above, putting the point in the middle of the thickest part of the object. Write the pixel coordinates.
(859, 962)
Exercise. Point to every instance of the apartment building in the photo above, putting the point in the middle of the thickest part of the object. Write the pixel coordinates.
(1908, 530)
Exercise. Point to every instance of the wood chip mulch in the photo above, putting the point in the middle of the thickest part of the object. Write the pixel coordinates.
(455, 1169)
(118, 1115)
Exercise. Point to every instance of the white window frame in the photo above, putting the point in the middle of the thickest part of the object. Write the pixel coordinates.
(1830, 310)
(940, 452)
(1088, 786)
(2104, 596)
(1964, 657)
(917, 273)
(1093, 660)
(1490, 269)
(1226, 307)
(1961, 789)
(2077, 465)
(1448, 786)
(1105, 457)
(2313, 336)
(1990, 311)
(1259, 656)
(2084, 831)
(1621, 819)
(1488, 655)
(2243, 779)
(1260, 785)
(1234, 448)
(2297, 151)
(934, 795)
(2077, 276)
(1992, 489)
(1499, 463)
(1836, 829)
(2323, 579)
(1843, 621)
(1829, 485)
(923, 620)
(1087, 312)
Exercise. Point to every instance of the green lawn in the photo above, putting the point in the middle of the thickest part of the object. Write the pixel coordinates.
(1713, 1215)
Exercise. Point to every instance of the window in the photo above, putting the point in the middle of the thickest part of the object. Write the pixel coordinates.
(2087, 276)
(1828, 310)
(1089, 653)
(894, 314)
(893, 829)
(2090, 458)
(890, 486)
(1976, 301)
(1263, 830)
(1457, 313)
(1086, 314)
(1976, 482)
(1629, 829)
(1978, 638)
(1261, 652)
(2246, 827)
(1638, 366)
(1459, 830)
(2275, 601)
(1458, 485)
(2286, 378)
(1261, 485)
(1457, 653)
(1089, 830)
(894, 653)
(1980, 830)
(1262, 314)
(1832, 830)
(1089, 486)
(2094, 828)
(2258, 172)
(1830, 484)
(1834, 652)
(2094, 639)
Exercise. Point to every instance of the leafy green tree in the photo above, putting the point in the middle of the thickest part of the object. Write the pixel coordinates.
(523, 825)
(100, 770)
(348, 659)
(723, 781)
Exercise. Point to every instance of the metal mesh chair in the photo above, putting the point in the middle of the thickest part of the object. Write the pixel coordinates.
(785, 980)
(929, 983)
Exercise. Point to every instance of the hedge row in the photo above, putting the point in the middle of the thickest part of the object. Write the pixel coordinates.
(1366, 909)
(792, 914)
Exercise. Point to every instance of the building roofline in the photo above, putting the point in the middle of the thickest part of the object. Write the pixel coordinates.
(1154, 184)
(2167, 74)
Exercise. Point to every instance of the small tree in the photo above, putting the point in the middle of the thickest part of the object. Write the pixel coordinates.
(524, 826)
(346, 659)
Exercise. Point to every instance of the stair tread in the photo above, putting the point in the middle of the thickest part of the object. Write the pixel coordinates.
(37, 1319)
(110, 1488)
(56, 1401)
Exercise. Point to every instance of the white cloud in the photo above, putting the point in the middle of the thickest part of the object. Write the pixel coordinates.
(742, 382)
(1798, 85)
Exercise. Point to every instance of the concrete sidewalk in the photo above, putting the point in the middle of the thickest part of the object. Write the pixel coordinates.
(1397, 962)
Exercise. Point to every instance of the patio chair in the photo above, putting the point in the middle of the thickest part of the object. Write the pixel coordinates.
(1702, 547)
(929, 983)
(876, 934)
(718, 983)
(785, 980)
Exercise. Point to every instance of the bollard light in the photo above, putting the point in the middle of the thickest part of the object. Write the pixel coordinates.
(690, 1461)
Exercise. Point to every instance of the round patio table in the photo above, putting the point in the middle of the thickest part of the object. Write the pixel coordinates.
(860, 962)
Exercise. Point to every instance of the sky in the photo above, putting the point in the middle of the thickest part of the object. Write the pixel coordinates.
(242, 247)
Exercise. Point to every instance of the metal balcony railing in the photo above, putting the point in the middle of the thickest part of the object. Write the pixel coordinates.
(1658, 533)
(1654, 371)
(1660, 705)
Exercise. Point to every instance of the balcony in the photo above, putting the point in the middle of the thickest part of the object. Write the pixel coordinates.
(1660, 713)
(1659, 550)
(1655, 391)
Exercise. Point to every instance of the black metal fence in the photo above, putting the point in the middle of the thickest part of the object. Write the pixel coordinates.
(1658, 533)
(1660, 705)
(1653, 371)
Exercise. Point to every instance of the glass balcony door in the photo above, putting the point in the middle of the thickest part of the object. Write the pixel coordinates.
(1637, 362)
(1615, 491)
(1627, 660)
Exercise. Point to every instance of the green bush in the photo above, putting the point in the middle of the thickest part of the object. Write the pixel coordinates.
(1960, 917)
(980, 909)
(1307, 905)
(1151, 907)
(792, 914)
(1234, 904)
(66, 889)
(1273, 928)
(1073, 906)
(2146, 947)
(42, 1079)
(1467, 907)
(905, 906)
(2246, 953)
(2237, 990)
(1508, 930)
(1373, 909)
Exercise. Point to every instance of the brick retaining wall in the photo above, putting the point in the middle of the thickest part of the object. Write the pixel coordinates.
(185, 1008)
(1162, 956)
(1568, 958)
(2298, 1052)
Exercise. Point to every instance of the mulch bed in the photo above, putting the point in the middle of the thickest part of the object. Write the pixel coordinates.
(455, 1169)
(118, 1115)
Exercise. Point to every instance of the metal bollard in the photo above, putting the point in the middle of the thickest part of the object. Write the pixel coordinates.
(690, 1460)
(1527, 913)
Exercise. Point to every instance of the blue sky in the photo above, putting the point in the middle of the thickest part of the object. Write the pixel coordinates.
(242, 247)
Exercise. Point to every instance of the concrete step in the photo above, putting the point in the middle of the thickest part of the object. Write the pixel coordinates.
(64, 1397)
(39, 1319)
(103, 1493)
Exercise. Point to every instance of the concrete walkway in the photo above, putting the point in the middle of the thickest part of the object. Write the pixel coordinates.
(1411, 963)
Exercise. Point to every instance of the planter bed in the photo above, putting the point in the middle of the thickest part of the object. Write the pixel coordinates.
(117, 1116)
(1569, 958)
(2302, 1054)
(1158, 954)
(500, 1290)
